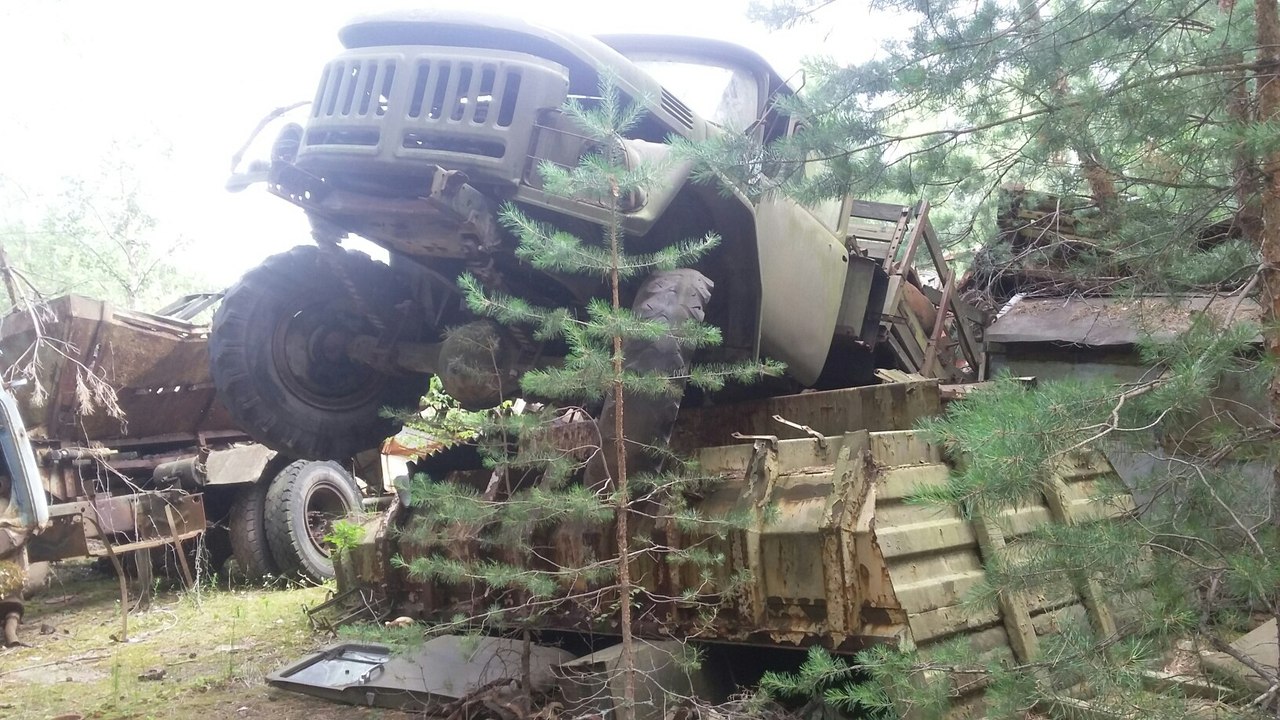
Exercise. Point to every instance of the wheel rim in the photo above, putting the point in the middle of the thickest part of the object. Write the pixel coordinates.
(324, 506)
(309, 353)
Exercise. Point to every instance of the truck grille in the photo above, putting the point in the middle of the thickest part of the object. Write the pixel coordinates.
(463, 92)
(677, 109)
(354, 92)
(424, 107)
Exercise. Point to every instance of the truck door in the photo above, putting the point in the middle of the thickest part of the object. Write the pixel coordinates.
(802, 271)
(22, 499)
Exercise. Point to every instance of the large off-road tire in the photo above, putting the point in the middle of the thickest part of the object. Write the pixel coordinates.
(674, 297)
(248, 535)
(278, 353)
(303, 502)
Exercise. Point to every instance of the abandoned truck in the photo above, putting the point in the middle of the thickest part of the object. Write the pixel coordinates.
(430, 120)
(168, 461)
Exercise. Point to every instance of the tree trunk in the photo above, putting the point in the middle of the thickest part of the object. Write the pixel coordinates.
(627, 666)
(1268, 110)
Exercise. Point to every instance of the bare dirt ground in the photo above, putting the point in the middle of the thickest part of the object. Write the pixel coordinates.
(214, 645)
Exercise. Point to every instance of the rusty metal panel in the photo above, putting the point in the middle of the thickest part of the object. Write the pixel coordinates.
(158, 366)
(442, 669)
(832, 551)
(130, 522)
(239, 464)
(64, 538)
(1104, 321)
(891, 406)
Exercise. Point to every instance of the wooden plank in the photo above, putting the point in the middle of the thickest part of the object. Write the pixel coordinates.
(866, 231)
(871, 210)
(939, 322)
(969, 312)
(967, 345)
(148, 544)
(932, 244)
(909, 346)
(898, 376)
(899, 232)
(913, 243)
(874, 249)
(1013, 607)
(898, 317)
(188, 580)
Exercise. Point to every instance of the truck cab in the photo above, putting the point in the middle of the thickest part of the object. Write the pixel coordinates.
(429, 122)
(23, 507)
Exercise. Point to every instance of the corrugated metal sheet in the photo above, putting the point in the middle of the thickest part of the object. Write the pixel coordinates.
(1110, 321)
(833, 552)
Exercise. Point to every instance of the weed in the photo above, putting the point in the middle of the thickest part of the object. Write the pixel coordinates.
(215, 649)
(344, 536)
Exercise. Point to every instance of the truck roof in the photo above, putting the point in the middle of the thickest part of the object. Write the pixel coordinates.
(434, 26)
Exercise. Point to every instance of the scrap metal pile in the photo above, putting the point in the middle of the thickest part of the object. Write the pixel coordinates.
(834, 555)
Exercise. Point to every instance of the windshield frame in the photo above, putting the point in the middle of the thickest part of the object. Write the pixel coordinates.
(738, 70)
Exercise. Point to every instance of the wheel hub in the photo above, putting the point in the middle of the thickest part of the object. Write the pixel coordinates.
(324, 507)
(310, 350)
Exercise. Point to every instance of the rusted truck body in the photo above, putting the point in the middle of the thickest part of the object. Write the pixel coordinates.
(97, 467)
(24, 513)
(133, 449)
(834, 553)
(429, 121)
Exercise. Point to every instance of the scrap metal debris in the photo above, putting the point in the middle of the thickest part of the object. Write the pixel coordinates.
(1261, 646)
(444, 670)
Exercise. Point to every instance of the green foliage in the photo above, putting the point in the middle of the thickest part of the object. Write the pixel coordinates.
(344, 536)
(1131, 104)
(443, 422)
(1010, 438)
(1201, 552)
(97, 238)
(881, 683)
(537, 534)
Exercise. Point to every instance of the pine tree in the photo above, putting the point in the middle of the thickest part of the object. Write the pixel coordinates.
(1158, 113)
(556, 478)
(1161, 117)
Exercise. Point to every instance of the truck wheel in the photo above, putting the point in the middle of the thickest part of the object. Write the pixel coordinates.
(248, 536)
(303, 502)
(278, 354)
(674, 297)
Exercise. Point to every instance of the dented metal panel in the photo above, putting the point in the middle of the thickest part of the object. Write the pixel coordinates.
(160, 367)
(444, 668)
(238, 464)
(831, 550)
(891, 406)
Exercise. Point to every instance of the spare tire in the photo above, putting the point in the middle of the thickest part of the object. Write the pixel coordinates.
(673, 297)
(248, 533)
(278, 353)
(302, 504)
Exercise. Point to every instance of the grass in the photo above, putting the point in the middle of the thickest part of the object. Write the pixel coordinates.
(215, 645)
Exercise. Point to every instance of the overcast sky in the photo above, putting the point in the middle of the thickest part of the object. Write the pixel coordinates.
(195, 79)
